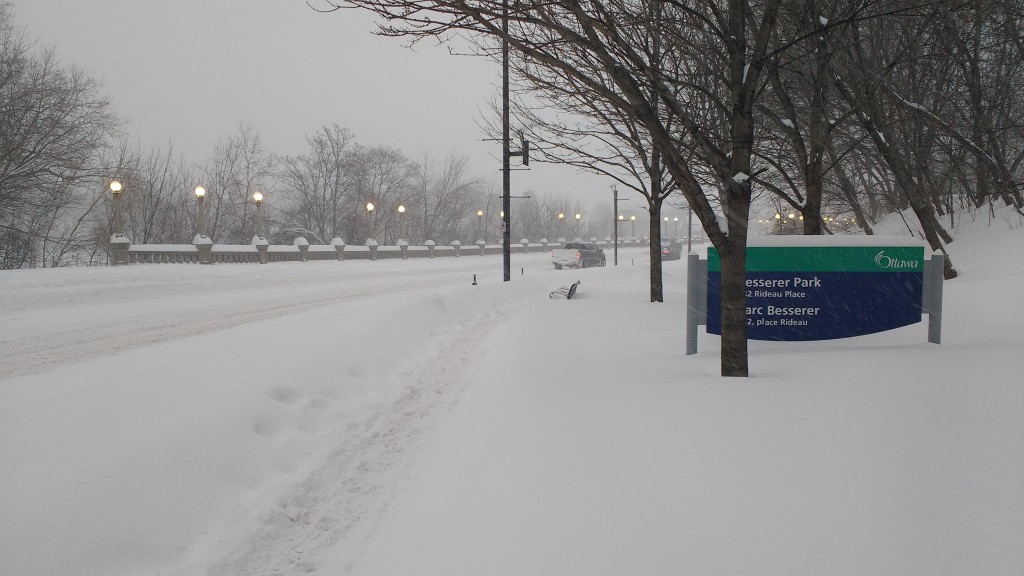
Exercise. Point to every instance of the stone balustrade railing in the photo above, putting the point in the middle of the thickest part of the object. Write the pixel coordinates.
(205, 252)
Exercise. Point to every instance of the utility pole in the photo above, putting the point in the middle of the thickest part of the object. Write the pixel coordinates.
(689, 229)
(506, 173)
(506, 152)
(615, 222)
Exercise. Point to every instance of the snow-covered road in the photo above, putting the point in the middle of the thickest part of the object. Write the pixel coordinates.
(47, 320)
(238, 418)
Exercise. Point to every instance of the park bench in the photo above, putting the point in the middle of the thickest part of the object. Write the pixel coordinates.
(567, 291)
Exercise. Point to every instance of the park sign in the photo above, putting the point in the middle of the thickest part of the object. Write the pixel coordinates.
(802, 288)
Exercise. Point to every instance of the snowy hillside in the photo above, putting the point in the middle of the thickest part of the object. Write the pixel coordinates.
(388, 418)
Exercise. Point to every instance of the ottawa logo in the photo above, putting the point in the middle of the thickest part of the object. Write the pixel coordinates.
(888, 262)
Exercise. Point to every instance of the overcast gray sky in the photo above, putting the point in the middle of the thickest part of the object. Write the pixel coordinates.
(189, 71)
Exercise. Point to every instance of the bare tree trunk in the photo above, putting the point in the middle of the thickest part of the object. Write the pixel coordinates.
(654, 204)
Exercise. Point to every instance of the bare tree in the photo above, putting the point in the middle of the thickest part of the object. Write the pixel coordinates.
(602, 46)
(240, 166)
(157, 199)
(445, 196)
(321, 185)
(55, 124)
(381, 176)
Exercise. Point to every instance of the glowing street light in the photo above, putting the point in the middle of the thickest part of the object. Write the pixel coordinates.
(115, 188)
(257, 197)
(369, 217)
(201, 210)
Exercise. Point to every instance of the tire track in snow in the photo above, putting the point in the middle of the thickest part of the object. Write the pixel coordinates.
(338, 505)
(40, 332)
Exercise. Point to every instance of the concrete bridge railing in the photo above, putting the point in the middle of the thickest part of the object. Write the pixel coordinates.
(204, 252)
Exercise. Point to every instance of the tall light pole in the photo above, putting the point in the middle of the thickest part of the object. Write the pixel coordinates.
(577, 226)
(257, 197)
(632, 228)
(506, 166)
(201, 209)
(689, 228)
(401, 213)
(480, 230)
(664, 231)
(561, 219)
(119, 243)
(115, 188)
(506, 152)
(620, 219)
(616, 218)
(369, 219)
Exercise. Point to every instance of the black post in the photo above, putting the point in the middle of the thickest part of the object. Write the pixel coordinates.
(689, 229)
(506, 180)
(615, 222)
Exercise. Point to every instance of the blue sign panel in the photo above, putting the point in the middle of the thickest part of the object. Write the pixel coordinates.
(823, 293)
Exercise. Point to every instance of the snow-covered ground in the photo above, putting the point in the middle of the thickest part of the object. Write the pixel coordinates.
(388, 418)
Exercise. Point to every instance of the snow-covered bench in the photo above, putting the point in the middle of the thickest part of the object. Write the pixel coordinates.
(567, 291)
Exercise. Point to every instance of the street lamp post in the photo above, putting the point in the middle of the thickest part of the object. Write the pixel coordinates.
(257, 197)
(115, 188)
(632, 228)
(401, 213)
(369, 219)
(664, 231)
(578, 216)
(481, 231)
(119, 243)
(202, 241)
(259, 240)
(201, 210)
(561, 219)
(616, 217)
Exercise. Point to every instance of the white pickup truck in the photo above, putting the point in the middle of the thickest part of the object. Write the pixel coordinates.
(577, 255)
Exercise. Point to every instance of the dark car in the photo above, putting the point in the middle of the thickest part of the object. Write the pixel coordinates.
(671, 249)
(577, 255)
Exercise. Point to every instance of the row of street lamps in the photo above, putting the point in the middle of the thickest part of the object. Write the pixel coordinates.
(369, 216)
(117, 188)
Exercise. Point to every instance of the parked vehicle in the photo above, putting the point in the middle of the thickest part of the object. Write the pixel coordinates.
(671, 249)
(577, 255)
